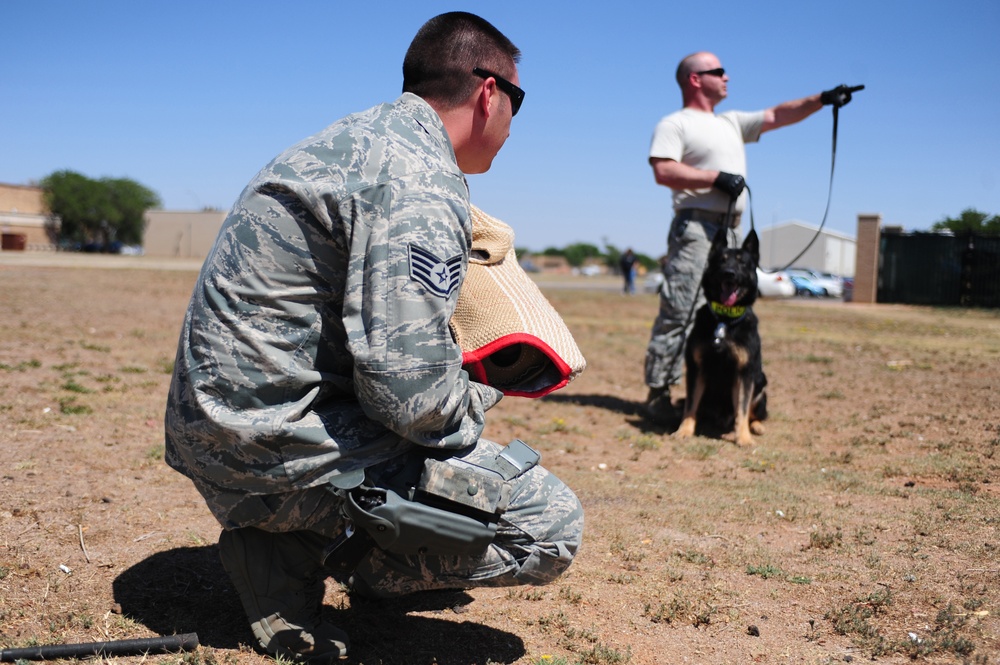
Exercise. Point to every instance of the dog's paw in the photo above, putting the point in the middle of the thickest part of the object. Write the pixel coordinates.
(741, 439)
(686, 429)
(757, 427)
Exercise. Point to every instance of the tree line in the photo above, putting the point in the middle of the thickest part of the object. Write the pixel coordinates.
(89, 213)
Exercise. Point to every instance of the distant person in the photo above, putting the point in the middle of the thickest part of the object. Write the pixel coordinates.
(627, 265)
(701, 157)
(318, 401)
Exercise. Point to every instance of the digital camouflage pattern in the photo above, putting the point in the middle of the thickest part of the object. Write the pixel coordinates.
(316, 344)
(313, 345)
(537, 537)
(680, 297)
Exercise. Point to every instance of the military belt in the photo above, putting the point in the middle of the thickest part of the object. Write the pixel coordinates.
(708, 217)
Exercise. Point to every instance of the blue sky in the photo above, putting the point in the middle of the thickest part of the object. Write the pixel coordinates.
(192, 98)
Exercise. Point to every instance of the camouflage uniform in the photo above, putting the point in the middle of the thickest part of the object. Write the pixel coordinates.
(680, 296)
(316, 344)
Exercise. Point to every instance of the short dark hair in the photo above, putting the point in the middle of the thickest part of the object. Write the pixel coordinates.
(438, 65)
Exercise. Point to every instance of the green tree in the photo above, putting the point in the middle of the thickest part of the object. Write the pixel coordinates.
(129, 202)
(97, 211)
(578, 252)
(970, 221)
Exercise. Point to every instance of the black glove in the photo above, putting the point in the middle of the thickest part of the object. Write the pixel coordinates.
(730, 183)
(838, 96)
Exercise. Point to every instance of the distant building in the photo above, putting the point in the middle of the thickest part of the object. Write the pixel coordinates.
(831, 252)
(181, 234)
(25, 219)
(550, 264)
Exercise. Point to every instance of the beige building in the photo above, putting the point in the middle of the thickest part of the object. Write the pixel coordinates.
(181, 234)
(24, 219)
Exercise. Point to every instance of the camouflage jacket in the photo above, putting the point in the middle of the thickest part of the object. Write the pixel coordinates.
(316, 341)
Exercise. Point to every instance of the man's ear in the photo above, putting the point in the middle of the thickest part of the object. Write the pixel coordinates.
(485, 95)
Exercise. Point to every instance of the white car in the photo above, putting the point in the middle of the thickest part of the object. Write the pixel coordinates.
(653, 282)
(769, 284)
(775, 284)
(833, 285)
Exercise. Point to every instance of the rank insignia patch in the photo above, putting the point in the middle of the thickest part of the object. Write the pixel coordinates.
(438, 275)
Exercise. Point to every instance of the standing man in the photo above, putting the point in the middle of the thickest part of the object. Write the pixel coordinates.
(318, 401)
(701, 157)
(627, 265)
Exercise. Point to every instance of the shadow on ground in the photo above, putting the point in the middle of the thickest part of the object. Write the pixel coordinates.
(708, 425)
(606, 402)
(186, 590)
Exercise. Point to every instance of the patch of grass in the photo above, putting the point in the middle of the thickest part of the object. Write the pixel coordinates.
(600, 654)
(681, 610)
(757, 465)
(696, 558)
(825, 540)
(556, 621)
(133, 369)
(944, 637)
(822, 360)
(72, 386)
(766, 571)
(95, 347)
(569, 595)
(513, 421)
(853, 620)
(526, 593)
(22, 366)
(69, 407)
(702, 450)
(559, 425)
(646, 442)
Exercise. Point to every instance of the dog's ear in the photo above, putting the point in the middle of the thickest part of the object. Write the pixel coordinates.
(752, 244)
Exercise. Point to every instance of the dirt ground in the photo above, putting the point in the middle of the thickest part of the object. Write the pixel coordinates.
(863, 525)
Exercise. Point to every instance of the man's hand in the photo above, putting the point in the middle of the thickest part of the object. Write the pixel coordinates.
(838, 96)
(730, 183)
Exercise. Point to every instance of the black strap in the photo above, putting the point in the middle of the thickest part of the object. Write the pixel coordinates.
(829, 197)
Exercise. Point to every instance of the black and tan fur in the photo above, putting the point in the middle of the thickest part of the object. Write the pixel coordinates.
(725, 378)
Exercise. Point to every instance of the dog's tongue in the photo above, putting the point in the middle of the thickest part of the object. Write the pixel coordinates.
(729, 295)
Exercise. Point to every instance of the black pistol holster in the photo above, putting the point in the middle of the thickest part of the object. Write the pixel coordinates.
(453, 508)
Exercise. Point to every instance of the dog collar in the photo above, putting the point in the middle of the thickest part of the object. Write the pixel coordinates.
(734, 312)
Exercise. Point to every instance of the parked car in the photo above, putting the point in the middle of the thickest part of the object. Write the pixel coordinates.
(776, 284)
(653, 282)
(806, 287)
(833, 284)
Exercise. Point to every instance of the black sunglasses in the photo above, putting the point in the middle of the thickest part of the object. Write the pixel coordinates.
(718, 71)
(516, 94)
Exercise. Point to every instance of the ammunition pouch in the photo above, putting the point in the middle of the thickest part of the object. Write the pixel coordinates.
(452, 509)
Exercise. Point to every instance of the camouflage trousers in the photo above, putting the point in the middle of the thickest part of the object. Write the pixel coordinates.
(680, 296)
(537, 536)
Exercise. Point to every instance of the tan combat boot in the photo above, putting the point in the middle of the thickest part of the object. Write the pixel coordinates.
(276, 576)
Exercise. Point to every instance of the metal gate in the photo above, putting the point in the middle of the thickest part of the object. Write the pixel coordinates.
(934, 269)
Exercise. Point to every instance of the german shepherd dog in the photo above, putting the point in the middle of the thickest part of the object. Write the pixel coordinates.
(725, 378)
